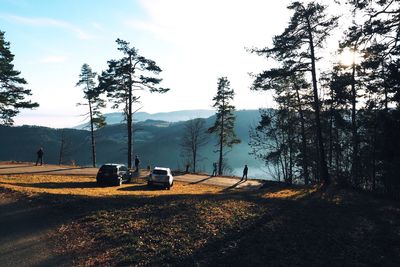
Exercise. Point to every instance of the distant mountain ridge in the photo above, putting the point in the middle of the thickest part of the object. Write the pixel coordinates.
(173, 116)
(157, 142)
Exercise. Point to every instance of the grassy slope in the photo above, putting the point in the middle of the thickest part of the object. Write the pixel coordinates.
(189, 225)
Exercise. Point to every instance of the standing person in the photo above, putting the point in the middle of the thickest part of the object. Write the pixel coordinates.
(214, 173)
(137, 161)
(187, 168)
(245, 170)
(40, 153)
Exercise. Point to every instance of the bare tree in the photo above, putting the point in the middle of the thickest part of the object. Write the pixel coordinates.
(194, 138)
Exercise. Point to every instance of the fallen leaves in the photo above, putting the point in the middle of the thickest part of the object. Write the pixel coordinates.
(134, 225)
(86, 186)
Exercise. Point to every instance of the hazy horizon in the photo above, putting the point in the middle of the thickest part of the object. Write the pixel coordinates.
(194, 43)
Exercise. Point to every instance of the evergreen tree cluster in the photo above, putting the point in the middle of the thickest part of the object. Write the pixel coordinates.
(12, 92)
(338, 126)
(120, 82)
(342, 125)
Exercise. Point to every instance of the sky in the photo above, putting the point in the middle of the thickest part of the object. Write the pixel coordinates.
(193, 41)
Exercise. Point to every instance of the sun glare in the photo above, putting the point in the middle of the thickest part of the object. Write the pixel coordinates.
(348, 57)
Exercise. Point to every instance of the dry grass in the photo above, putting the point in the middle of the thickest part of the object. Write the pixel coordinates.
(201, 225)
(86, 186)
(166, 232)
(290, 193)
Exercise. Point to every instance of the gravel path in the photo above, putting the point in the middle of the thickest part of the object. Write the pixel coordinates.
(29, 168)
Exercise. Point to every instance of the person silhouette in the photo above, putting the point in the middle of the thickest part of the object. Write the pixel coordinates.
(137, 161)
(245, 170)
(40, 153)
(214, 173)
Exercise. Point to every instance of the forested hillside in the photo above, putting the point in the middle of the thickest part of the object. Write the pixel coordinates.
(174, 116)
(156, 143)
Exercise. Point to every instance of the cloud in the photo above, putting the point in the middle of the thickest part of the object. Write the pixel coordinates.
(208, 29)
(97, 26)
(54, 59)
(48, 22)
(206, 39)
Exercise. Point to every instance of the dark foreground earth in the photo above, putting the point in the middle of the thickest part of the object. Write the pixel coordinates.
(49, 220)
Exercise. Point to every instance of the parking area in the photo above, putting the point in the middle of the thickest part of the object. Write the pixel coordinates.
(84, 177)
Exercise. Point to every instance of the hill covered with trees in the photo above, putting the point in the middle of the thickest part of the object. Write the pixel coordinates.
(156, 142)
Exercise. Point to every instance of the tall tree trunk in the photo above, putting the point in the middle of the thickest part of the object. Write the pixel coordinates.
(290, 178)
(330, 159)
(290, 141)
(92, 135)
(385, 89)
(221, 146)
(323, 169)
(331, 118)
(129, 129)
(354, 165)
(61, 154)
(374, 154)
(303, 138)
(194, 159)
(129, 117)
(283, 164)
(337, 154)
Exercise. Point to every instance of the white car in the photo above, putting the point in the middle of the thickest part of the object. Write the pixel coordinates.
(161, 176)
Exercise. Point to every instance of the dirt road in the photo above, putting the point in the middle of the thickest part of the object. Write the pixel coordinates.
(7, 168)
(25, 229)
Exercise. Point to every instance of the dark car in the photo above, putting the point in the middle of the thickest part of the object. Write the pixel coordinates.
(114, 174)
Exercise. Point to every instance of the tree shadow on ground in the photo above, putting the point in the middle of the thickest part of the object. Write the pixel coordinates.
(57, 185)
(305, 230)
(17, 167)
(234, 186)
(142, 187)
(24, 227)
(48, 171)
(202, 180)
(308, 232)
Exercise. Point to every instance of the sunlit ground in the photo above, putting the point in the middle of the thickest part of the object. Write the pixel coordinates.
(292, 193)
(203, 225)
(86, 186)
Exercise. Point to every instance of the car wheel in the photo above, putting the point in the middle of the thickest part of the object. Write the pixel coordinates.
(119, 182)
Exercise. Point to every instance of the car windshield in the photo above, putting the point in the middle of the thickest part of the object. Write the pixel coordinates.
(108, 169)
(123, 168)
(160, 172)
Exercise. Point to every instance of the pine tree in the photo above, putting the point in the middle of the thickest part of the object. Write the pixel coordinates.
(299, 84)
(126, 76)
(94, 103)
(224, 121)
(347, 78)
(280, 138)
(378, 120)
(296, 50)
(381, 34)
(12, 92)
